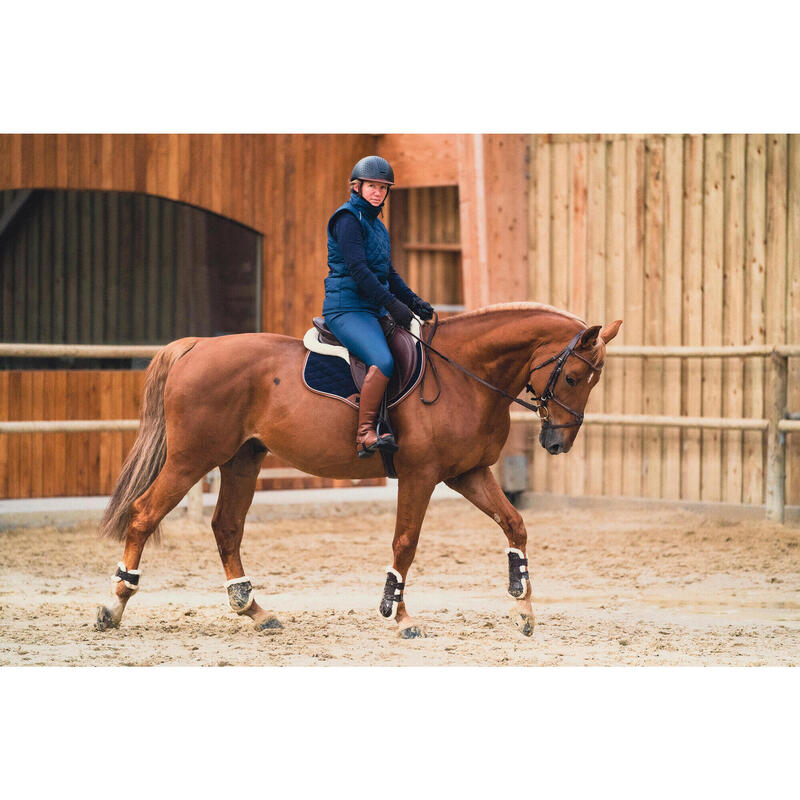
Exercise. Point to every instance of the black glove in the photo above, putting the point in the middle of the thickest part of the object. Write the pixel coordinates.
(400, 312)
(423, 310)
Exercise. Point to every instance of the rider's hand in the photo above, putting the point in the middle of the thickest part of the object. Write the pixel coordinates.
(423, 310)
(400, 312)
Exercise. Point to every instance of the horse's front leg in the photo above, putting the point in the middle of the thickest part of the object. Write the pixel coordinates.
(413, 496)
(481, 489)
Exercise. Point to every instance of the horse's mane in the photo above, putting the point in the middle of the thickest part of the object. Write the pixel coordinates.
(500, 307)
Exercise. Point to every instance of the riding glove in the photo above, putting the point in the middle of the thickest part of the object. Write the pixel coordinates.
(400, 312)
(423, 310)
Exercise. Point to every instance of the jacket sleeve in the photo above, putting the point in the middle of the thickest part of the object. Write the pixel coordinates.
(347, 232)
(399, 289)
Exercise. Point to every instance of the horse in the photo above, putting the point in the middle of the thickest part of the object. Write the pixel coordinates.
(226, 401)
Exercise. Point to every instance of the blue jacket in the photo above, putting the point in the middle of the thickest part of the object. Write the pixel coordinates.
(341, 290)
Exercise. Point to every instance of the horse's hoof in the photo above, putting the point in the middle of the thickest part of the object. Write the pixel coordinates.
(412, 632)
(268, 625)
(522, 621)
(105, 619)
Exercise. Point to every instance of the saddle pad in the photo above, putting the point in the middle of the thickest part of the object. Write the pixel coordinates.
(332, 377)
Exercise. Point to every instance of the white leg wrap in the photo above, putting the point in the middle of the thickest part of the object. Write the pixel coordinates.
(134, 587)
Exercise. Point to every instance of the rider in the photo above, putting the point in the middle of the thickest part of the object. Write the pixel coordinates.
(362, 286)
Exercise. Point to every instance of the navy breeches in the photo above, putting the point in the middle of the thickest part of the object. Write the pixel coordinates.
(361, 333)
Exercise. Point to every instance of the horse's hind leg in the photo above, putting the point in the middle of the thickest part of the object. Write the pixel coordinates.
(481, 489)
(147, 511)
(237, 486)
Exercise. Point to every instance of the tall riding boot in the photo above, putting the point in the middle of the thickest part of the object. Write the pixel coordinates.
(372, 391)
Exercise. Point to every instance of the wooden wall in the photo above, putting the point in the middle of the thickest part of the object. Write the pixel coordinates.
(283, 186)
(690, 240)
(65, 464)
(101, 267)
(426, 242)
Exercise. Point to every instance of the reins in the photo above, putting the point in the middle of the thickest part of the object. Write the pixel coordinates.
(539, 403)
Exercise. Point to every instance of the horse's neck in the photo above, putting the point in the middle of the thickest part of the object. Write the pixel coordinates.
(498, 346)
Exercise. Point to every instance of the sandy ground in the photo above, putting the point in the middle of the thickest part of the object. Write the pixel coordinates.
(616, 587)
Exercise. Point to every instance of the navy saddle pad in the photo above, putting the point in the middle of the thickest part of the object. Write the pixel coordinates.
(332, 377)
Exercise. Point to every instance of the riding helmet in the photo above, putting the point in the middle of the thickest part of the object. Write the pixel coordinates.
(373, 168)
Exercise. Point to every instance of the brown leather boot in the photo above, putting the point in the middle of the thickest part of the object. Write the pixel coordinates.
(372, 391)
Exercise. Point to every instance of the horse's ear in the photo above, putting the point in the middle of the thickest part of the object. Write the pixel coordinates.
(610, 331)
(589, 338)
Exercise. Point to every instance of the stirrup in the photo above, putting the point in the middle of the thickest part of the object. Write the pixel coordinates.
(365, 451)
(387, 443)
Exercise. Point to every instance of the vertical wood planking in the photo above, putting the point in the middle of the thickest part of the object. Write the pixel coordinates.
(692, 311)
(755, 323)
(672, 310)
(614, 371)
(45, 333)
(13, 443)
(32, 242)
(556, 468)
(595, 304)
(776, 267)
(713, 297)
(577, 221)
(776, 285)
(413, 236)
(793, 312)
(762, 197)
(540, 262)
(36, 409)
(634, 307)
(653, 313)
(20, 465)
(733, 313)
(539, 265)
(183, 168)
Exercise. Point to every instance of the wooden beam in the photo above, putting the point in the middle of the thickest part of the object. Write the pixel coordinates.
(421, 159)
(440, 247)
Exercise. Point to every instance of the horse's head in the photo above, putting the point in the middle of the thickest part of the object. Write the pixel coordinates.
(562, 391)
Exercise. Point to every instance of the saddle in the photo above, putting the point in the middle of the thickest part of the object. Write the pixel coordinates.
(325, 375)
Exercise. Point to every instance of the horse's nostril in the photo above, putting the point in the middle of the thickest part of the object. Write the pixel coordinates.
(554, 449)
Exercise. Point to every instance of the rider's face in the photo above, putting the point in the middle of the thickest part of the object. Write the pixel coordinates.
(374, 192)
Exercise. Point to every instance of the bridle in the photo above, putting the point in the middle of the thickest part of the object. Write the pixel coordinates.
(539, 404)
(540, 401)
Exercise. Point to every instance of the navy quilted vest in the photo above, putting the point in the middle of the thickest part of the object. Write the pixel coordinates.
(341, 291)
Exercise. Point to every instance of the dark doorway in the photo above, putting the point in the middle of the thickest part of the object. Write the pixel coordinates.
(92, 267)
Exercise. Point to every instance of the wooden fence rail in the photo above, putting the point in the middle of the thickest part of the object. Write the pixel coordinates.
(777, 423)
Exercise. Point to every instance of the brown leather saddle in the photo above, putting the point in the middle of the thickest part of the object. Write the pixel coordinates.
(409, 358)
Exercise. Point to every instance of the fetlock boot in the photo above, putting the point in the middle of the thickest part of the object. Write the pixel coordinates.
(372, 391)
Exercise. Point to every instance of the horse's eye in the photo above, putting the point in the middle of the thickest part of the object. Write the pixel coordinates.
(571, 381)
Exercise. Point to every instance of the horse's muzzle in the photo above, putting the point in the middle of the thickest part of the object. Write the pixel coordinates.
(553, 440)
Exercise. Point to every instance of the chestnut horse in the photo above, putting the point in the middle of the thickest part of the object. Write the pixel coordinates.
(227, 401)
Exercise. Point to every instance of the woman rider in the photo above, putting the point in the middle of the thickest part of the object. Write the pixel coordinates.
(362, 286)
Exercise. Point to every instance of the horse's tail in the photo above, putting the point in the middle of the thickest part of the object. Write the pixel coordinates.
(149, 451)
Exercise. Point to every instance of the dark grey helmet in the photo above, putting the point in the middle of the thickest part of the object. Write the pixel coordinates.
(373, 168)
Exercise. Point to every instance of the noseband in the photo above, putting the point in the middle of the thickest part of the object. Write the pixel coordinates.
(540, 401)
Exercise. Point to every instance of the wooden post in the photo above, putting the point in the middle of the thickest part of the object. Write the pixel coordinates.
(776, 451)
(194, 508)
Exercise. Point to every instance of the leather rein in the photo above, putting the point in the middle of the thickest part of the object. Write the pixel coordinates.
(539, 404)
